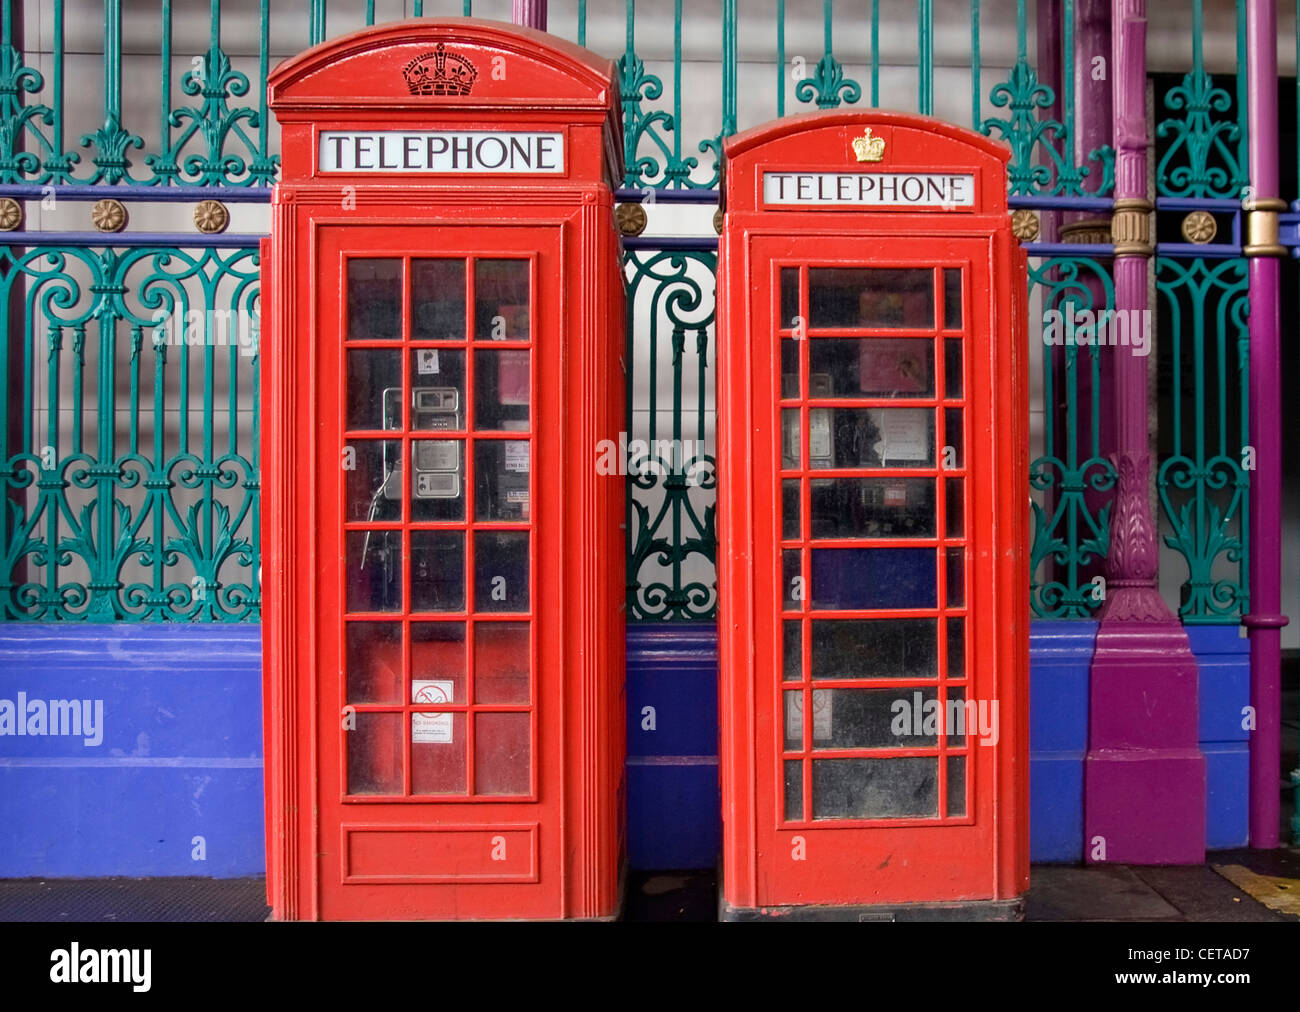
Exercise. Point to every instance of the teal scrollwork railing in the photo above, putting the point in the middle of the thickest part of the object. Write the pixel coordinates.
(1074, 481)
(672, 479)
(144, 523)
(1204, 483)
(153, 517)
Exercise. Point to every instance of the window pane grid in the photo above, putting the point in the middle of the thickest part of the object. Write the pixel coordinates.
(467, 759)
(799, 691)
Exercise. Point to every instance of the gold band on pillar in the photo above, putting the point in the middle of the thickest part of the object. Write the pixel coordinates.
(1131, 227)
(1087, 230)
(1262, 227)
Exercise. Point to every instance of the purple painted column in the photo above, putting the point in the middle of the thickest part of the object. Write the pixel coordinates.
(1144, 777)
(1265, 620)
(1091, 130)
(529, 13)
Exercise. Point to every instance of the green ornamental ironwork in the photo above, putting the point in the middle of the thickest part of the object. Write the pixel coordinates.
(153, 519)
(1075, 482)
(1204, 485)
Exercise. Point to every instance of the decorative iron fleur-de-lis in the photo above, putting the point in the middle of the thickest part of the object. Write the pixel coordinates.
(1023, 95)
(1199, 162)
(828, 86)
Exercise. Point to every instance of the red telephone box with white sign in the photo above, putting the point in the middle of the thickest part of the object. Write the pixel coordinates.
(873, 550)
(443, 566)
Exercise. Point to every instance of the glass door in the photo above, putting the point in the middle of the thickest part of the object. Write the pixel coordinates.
(440, 773)
(872, 444)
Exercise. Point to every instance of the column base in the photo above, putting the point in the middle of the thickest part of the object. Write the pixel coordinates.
(1144, 806)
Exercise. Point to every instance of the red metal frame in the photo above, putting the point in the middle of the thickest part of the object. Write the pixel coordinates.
(552, 846)
(775, 858)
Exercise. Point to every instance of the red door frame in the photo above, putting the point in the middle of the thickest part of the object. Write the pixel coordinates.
(531, 821)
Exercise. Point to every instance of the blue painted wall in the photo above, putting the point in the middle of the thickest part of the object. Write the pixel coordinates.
(181, 751)
(1060, 657)
(674, 804)
(1223, 663)
(180, 756)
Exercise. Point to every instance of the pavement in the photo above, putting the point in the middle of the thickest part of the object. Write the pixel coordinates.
(1233, 886)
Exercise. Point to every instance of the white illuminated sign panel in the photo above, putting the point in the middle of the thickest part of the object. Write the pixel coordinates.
(442, 151)
(869, 189)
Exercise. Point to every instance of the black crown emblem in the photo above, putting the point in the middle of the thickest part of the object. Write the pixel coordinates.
(440, 73)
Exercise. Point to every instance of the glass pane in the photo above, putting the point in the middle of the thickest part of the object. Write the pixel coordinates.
(790, 509)
(955, 518)
(438, 659)
(960, 716)
(875, 648)
(374, 571)
(872, 507)
(501, 300)
(792, 580)
(793, 790)
(501, 753)
(501, 570)
(438, 388)
(438, 489)
(860, 578)
(437, 570)
(437, 751)
(501, 389)
(956, 577)
(952, 367)
(438, 300)
(956, 647)
(374, 662)
(790, 438)
(789, 296)
(873, 718)
(374, 750)
(952, 298)
(372, 374)
(501, 479)
(956, 785)
(952, 437)
(792, 648)
(374, 300)
(501, 662)
(871, 437)
(372, 476)
(870, 297)
(872, 366)
(789, 369)
(875, 788)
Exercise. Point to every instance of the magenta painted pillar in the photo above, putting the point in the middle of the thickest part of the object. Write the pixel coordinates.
(1144, 777)
(529, 13)
(1265, 619)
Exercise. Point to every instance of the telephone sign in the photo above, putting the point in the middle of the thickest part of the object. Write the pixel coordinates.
(443, 563)
(873, 556)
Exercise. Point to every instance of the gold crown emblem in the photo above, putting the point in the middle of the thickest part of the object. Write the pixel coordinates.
(868, 148)
(440, 73)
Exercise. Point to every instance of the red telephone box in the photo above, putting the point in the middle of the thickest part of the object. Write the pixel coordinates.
(873, 554)
(442, 565)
